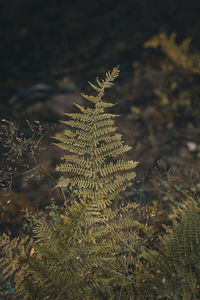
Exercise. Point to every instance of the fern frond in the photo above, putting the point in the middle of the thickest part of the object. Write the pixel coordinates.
(92, 138)
(14, 257)
(175, 267)
(80, 254)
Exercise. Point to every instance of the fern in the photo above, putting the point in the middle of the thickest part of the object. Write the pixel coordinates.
(179, 54)
(173, 272)
(80, 254)
(14, 256)
(92, 142)
(84, 256)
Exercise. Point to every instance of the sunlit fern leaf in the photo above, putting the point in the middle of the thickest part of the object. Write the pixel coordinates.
(92, 138)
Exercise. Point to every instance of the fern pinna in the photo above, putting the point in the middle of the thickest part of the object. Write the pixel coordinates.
(94, 146)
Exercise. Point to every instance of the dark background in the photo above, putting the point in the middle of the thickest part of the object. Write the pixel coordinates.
(41, 41)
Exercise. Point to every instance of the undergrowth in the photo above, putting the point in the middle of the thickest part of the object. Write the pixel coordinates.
(90, 249)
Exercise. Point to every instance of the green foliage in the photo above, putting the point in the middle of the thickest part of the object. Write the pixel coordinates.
(14, 255)
(86, 249)
(179, 67)
(179, 54)
(173, 271)
(75, 258)
(92, 143)
(84, 252)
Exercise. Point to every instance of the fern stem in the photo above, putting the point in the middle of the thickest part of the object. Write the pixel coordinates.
(54, 181)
